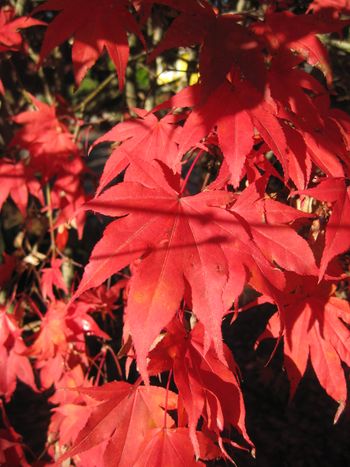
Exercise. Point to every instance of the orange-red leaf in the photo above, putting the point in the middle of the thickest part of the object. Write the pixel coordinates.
(124, 418)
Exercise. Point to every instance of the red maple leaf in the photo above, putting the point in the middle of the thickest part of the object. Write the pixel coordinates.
(62, 331)
(172, 446)
(314, 132)
(124, 417)
(17, 181)
(235, 122)
(14, 362)
(335, 191)
(54, 154)
(68, 195)
(293, 120)
(10, 38)
(51, 277)
(225, 44)
(102, 299)
(188, 28)
(72, 407)
(329, 8)
(176, 230)
(299, 93)
(207, 385)
(11, 448)
(286, 32)
(145, 137)
(95, 27)
(180, 239)
(45, 137)
(276, 239)
(314, 326)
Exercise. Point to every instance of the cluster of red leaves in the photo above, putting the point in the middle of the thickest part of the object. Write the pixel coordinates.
(259, 113)
(10, 38)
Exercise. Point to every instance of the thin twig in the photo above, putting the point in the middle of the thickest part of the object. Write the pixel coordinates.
(50, 219)
(90, 97)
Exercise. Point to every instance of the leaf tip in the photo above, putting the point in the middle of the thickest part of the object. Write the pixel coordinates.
(339, 411)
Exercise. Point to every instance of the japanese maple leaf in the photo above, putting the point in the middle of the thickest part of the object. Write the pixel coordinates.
(188, 28)
(70, 212)
(287, 32)
(124, 417)
(172, 446)
(51, 344)
(342, 120)
(52, 337)
(160, 221)
(145, 137)
(68, 420)
(299, 157)
(208, 385)
(297, 92)
(10, 38)
(71, 414)
(68, 194)
(45, 137)
(178, 239)
(335, 191)
(324, 148)
(13, 360)
(95, 26)
(314, 132)
(51, 277)
(72, 409)
(191, 7)
(236, 122)
(224, 44)
(315, 327)
(11, 448)
(61, 329)
(329, 7)
(181, 240)
(102, 299)
(276, 239)
(17, 181)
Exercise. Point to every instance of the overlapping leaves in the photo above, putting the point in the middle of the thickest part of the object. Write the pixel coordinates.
(260, 115)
